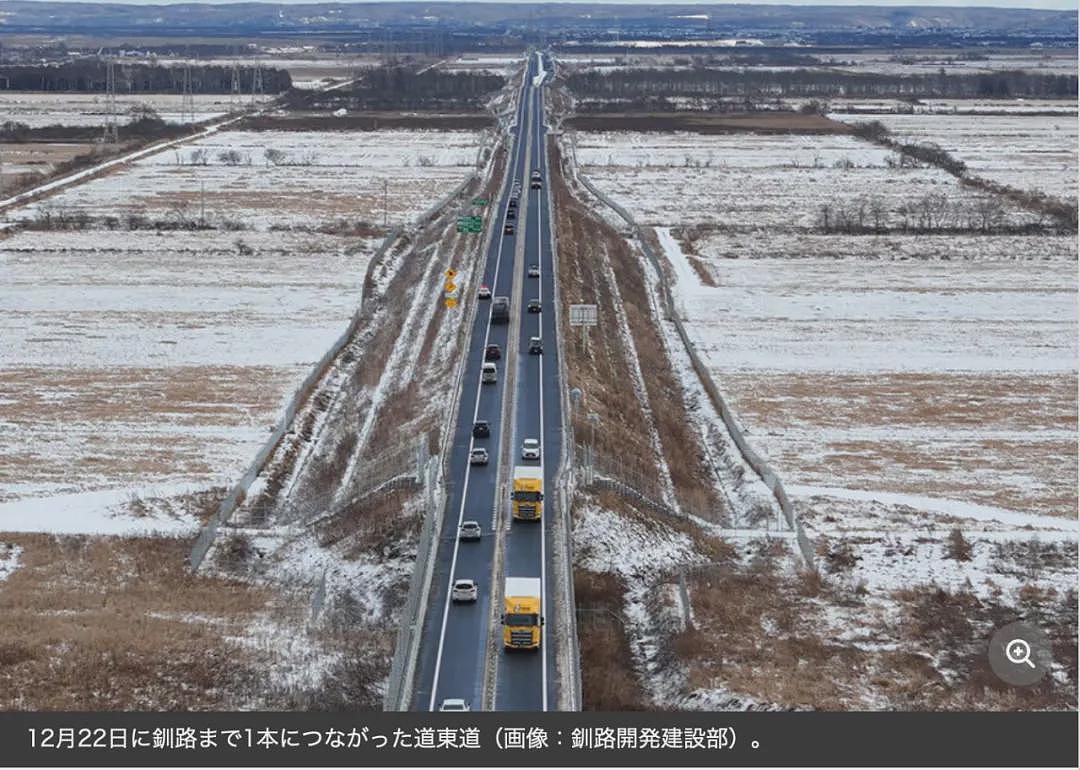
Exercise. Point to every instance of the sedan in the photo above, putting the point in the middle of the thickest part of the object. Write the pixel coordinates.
(492, 353)
(481, 429)
(470, 530)
(530, 449)
(536, 346)
(454, 704)
(508, 228)
(534, 306)
(483, 292)
(464, 591)
(534, 271)
(478, 456)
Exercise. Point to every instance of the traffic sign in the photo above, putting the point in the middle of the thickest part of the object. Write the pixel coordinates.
(451, 302)
(480, 201)
(451, 273)
(450, 287)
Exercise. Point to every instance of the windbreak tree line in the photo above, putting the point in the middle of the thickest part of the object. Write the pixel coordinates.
(390, 88)
(91, 76)
(652, 84)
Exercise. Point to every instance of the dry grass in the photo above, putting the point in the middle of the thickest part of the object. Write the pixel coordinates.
(608, 680)
(149, 635)
(760, 635)
(585, 242)
(936, 449)
(708, 123)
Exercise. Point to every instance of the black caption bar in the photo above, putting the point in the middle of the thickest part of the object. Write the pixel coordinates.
(516, 739)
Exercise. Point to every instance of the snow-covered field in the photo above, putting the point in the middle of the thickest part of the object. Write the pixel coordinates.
(315, 177)
(1028, 152)
(946, 376)
(47, 108)
(754, 181)
(142, 365)
(904, 386)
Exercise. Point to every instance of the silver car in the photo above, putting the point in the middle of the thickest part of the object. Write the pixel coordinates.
(464, 591)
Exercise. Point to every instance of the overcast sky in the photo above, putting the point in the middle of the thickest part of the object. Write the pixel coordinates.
(1053, 4)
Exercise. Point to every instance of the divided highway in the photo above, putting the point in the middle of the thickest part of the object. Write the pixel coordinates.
(456, 640)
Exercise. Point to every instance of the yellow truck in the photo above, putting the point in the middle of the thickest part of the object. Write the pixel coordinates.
(523, 613)
(528, 495)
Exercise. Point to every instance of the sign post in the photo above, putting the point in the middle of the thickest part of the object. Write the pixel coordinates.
(585, 317)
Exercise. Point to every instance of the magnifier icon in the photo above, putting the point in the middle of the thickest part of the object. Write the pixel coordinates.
(1019, 651)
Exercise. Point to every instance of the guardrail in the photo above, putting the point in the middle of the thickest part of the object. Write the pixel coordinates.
(752, 458)
(565, 481)
(403, 666)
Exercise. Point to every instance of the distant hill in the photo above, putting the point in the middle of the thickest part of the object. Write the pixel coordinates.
(19, 16)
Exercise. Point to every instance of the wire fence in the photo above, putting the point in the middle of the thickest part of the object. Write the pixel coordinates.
(239, 492)
(752, 458)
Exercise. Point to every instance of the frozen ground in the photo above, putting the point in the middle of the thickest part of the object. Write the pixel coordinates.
(130, 359)
(1028, 152)
(753, 181)
(945, 378)
(9, 559)
(310, 178)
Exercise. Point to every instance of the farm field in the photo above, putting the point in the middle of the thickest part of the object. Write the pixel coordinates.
(687, 178)
(36, 159)
(138, 362)
(901, 384)
(1028, 152)
(149, 364)
(284, 179)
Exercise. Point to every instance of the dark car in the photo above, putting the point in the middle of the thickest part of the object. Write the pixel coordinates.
(508, 228)
(513, 202)
(534, 306)
(511, 214)
(492, 353)
(481, 429)
(536, 346)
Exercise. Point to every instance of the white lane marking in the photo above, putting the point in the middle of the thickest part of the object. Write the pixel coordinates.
(543, 438)
(468, 469)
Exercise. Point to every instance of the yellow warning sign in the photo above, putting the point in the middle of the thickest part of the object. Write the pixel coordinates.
(450, 287)
(451, 274)
(451, 302)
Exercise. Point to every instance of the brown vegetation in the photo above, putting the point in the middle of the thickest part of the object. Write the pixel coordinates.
(709, 123)
(150, 635)
(608, 680)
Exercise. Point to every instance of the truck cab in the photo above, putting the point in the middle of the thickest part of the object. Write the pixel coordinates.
(527, 497)
(523, 613)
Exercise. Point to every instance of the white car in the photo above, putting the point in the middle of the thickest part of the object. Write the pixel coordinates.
(534, 271)
(470, 530)
(454, 704)
(463, 591)
(478, 456)
(530, 449)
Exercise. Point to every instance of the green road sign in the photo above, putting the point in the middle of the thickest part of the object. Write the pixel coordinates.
(479, 201)
(470, 224)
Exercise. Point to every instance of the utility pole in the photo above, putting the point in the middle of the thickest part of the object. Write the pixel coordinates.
(187, 101)
(111, 133)
(235, 95)
(385, 203)
(256, 83)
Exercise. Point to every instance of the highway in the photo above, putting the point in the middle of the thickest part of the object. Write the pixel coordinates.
(456, 640)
